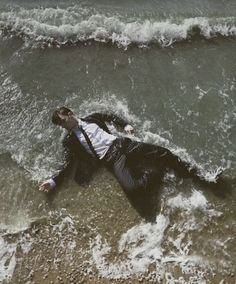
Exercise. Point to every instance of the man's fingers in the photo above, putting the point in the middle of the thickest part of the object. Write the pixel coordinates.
(41, 187)
(47, 185)
(44, 187)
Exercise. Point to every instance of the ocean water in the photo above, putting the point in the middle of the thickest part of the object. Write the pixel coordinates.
(167, 67)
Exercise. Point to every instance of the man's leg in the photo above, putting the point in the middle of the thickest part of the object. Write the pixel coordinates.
(126, 177)
(159, 158)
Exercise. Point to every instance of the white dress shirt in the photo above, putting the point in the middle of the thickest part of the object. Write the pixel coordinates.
(100, 139)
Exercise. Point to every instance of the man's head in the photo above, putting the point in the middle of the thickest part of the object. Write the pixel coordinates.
(65, 118)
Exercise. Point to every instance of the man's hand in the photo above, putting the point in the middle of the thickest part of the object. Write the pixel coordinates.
(129, 129)
(47, 185)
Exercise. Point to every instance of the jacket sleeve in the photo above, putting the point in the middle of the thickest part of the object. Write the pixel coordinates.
(84, 171)
(66, 168)
(111, 118)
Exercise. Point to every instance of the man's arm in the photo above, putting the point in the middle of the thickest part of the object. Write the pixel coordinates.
(112, 118)
(63, 172)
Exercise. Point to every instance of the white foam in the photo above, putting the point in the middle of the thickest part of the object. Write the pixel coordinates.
(151, 236)
(111, 103)
(142, 244)
(196, 201)
(65, 222)
(213, 174)
(7, 259)
(73, 25)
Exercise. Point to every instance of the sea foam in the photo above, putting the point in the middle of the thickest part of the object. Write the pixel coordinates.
(142, 244)
(68, 26)
(142, 249)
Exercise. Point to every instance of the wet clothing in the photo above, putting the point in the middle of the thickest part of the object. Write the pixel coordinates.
(136, 165)
(100, 139)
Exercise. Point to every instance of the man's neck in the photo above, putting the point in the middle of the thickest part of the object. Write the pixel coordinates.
(75, 127)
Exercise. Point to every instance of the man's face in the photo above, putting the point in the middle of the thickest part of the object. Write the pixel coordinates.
(68, 121)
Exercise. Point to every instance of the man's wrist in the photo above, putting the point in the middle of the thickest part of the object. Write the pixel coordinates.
(52, 183)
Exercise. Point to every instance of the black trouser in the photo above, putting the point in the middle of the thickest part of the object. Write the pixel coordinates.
(137, 165)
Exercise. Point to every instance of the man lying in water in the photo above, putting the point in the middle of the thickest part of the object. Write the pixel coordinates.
(89, 143)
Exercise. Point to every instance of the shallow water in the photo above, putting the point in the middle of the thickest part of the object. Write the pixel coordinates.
(170, 71)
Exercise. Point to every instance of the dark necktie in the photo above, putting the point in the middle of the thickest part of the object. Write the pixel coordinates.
(88, 141)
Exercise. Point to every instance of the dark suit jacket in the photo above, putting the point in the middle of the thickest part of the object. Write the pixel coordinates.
(86, 164)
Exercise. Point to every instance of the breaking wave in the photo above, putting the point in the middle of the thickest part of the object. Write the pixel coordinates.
(55, 26)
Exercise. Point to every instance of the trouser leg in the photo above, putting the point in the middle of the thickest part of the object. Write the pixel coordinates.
(140, 165)
(159, 157)
(126, 177)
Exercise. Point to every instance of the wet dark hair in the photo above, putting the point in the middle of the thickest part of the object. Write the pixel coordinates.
(63, 111)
